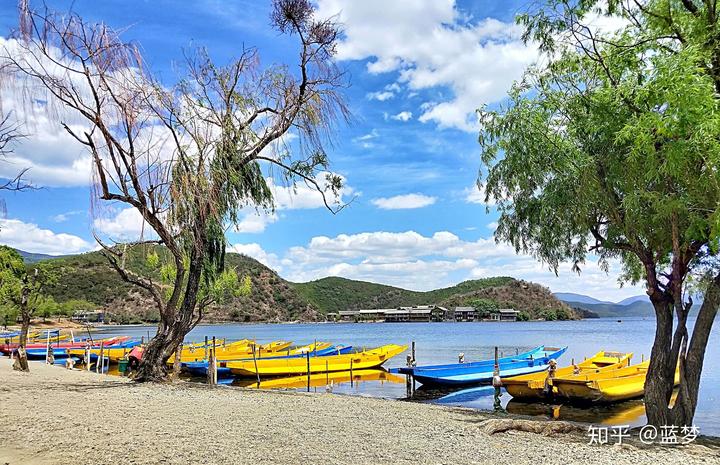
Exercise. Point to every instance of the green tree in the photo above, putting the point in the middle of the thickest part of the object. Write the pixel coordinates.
(484, 307)
(613, 148)
(20, 290)
(188, 158)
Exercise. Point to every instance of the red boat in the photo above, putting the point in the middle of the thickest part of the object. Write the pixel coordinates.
(6, 348)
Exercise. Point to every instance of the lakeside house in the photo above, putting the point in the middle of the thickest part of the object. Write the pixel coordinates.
(421, 313)
(504, 314)
(94, 316)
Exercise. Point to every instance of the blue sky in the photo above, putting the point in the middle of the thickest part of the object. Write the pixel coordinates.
(410, 157)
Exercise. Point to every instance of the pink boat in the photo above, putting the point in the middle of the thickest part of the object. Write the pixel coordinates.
(6, 348)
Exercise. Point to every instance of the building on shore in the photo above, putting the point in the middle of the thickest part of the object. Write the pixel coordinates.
(462, 314)
(504, 314)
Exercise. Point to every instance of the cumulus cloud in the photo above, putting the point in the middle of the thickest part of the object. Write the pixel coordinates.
(403, 116)
(404, 202)
(124, 225)
(434, 46)
(415, 261)
(475, 194)
(32, 238)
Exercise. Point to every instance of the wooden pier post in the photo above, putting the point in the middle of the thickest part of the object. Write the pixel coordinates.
(307, 357)
(47, 347)
(100, 360)
(257, 372)
(212, 365)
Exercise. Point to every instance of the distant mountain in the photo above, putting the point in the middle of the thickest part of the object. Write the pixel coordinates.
(87, 278)
(30, 257)
(630, 300)
(610, 310)
(572, 297)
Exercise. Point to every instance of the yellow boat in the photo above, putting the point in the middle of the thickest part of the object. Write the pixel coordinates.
(323, 379)
(532, 386)
(240, 349)
(297, 366)
(607, 386)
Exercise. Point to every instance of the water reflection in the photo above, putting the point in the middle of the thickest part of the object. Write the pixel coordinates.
(321, 380)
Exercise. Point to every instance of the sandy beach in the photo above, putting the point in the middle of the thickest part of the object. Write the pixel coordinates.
(53, 415)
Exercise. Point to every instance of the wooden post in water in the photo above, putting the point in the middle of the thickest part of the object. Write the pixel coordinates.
(412, 345)
(87, 358)
(257, 373)
(47, 347)
(307, 357)
(98, 364)
(327, 373)
(497, 364)
(206, 348)
(351, 372)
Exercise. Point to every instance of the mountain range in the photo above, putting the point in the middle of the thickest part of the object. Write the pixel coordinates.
(87, 278)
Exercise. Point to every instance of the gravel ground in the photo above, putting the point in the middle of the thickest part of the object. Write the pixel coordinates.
(53, 416)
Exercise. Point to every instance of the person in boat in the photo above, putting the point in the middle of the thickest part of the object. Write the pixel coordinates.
(552, 368)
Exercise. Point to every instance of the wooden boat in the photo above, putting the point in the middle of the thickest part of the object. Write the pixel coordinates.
(113, 353)
(296, 366)
(324, 379)
(463, 373)
(606, 386)
(200, 368)
(232, 351)
(521, 356)
(532, 386)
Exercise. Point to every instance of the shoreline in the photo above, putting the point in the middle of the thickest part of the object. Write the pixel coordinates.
(53, 415)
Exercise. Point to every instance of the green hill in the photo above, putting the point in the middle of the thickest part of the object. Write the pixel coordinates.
(87, 278)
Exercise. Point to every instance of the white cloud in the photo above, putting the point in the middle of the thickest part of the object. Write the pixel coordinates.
(403, 116)
(31, 238)
(414, 261)
(124, 225)
(381, 96)
(404, 202)
(255, 251)
(434, 46)
(475, 194)
(62, 217)
(254, 222)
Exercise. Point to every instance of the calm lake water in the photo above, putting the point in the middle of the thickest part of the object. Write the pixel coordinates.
(442, 342)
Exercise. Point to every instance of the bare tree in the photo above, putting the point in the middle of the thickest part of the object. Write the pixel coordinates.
(187, 158)
(10, 133)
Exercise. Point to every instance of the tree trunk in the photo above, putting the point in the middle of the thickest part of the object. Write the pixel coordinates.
(21, 363)
(658, 388)
(683, 412)
(173, 327)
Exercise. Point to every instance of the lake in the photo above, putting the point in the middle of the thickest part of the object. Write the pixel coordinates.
(442, 342)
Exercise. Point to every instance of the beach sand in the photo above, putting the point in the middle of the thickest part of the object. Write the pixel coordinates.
(56, 416)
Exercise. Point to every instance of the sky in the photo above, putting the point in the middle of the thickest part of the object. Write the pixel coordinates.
(417, 69)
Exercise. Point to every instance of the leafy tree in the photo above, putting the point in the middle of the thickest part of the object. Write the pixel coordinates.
(20, 290)
(484, 307)
(187, 158)
(613, 148)
(523, 316)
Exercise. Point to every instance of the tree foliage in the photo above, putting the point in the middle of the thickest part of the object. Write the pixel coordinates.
(613, 148)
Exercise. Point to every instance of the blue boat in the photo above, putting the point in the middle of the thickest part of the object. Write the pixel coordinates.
(529, 355)
(200, 368)
(482, 372)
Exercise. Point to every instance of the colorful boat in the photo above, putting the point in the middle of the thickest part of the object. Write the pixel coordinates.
(607, 386)
(113, 352)
(200, 368)
(476, 373)
(301, 365)
(521, 356)
(532, 386)
(241, 349)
